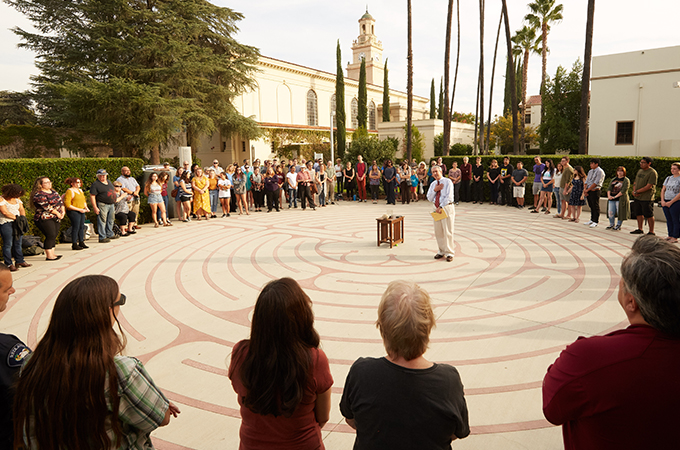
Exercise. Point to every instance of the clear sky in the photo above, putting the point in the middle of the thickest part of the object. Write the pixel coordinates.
(306, 31)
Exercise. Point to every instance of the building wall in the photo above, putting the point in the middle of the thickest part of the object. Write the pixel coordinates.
(638, 87)
(461, 133)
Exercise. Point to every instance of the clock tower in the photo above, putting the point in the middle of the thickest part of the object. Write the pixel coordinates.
(368, 47)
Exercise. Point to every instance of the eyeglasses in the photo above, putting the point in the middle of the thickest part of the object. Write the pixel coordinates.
(121, 300)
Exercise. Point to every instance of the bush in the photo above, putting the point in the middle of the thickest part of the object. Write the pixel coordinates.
(607, 163)
(25, 171)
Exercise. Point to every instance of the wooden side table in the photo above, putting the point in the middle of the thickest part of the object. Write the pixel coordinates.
(391, 230)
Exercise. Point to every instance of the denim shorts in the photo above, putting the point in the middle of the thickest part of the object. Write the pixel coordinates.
(155, 198)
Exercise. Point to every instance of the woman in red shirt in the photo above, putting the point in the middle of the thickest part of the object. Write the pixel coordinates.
(280, 375)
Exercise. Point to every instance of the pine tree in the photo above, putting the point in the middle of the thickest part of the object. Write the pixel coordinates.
(340, 104)
(386, 97)
(362, 113)
(132, 73)
(433, 104)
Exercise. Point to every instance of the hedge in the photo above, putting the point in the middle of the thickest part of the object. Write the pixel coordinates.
(607, 163)
(24, 172)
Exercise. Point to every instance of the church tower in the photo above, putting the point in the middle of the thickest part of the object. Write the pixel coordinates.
(368, 47)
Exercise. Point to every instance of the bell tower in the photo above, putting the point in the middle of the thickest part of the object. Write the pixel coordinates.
(368, 47)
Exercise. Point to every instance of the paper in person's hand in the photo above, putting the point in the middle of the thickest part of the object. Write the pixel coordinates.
(437, 216)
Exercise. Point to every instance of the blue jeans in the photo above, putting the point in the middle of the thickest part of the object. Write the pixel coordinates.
(105, 220)
(612, 211)
(159, 214)
(77, 226)
(558, 199)
(11, 247)
(214, 201)
(292, 197)
(672, 214)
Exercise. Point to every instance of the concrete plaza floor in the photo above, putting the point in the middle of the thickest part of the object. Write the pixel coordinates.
(521, 287)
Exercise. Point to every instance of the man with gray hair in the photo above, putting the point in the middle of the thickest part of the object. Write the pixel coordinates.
(601, 383)
(440, 194)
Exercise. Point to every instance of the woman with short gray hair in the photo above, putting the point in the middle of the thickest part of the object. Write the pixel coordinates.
(403, 400)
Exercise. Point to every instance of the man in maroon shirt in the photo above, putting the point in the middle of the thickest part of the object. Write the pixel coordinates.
(620, 391)
(466, 176)
(361, 178)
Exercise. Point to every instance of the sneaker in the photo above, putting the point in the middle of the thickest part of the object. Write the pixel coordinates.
(532, 207)
(543, 209)
(617, 228)
(114, 237)
(610, 227)
(637, 231)
(593, 225)
(224, 215)
(104, 241)
(590, 222)
(228, 215)
(651, 233)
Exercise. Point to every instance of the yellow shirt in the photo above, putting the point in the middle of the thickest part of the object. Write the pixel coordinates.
(75, 198)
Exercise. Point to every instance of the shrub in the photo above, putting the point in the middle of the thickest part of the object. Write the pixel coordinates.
(25, 171)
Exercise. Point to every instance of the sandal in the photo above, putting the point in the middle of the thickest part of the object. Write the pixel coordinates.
(534, 212)
(167, 224)
(155, 225)
(547, 212)
(572, 220)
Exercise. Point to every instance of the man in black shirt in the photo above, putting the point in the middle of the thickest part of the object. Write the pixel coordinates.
(103, 197)
(12, 354)
(506, 182)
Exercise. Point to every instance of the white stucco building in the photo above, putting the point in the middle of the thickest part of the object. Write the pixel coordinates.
(289, 96)
(635, 104)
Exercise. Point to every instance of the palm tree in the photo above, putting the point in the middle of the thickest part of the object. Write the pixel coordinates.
(493, 73)
(455, 77)
(585, 82)
(481, 77)
(544, 12)
(525, 39)
(409, 86)
(511, 74)
(446, 114)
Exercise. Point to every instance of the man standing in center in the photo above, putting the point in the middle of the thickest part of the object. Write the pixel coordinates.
(441, 195)
(361, 178)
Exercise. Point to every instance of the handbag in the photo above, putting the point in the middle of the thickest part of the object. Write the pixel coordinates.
(174, 192)
(312, 189)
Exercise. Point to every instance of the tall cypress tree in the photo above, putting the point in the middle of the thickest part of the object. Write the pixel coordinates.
(433, 104)
(440, 114)
(386, 97)
(340, 104)
(362, 113)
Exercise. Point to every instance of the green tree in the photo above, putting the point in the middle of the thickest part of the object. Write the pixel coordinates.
(417, 143)
(502, 134)
(525, 40)
(340, 118)
(15, 108)
(433, 104)
(370, 148)
(559, 129)
(386, 97)
(179, 60)
(362, 114)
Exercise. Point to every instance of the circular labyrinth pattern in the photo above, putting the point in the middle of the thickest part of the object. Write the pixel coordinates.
(520, 288)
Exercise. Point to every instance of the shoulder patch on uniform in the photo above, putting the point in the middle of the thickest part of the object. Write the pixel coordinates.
(15, 357)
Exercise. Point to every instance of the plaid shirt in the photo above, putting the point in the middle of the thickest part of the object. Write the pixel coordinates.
(142, 405)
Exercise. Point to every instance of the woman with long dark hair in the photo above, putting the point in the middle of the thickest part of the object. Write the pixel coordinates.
(76, 390)
(281, 376)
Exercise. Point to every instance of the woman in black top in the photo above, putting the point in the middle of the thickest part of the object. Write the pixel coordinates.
(477, 181)
(494, 175)
(350, 181)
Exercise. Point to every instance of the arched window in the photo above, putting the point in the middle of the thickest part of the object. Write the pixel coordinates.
(371, 116)
(333, 107)
(355, 113)
(312, 109)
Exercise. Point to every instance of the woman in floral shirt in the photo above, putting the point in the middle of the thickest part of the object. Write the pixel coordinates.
(49, 210)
